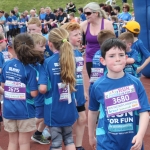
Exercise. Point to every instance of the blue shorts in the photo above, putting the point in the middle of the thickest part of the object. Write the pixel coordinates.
(39, 112)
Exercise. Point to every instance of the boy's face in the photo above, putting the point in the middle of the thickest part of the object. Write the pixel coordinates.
(33, 28)
(128, 45)
(3, 44)
(115, 11)
(40, 47)
(115, 60)
(75, 38)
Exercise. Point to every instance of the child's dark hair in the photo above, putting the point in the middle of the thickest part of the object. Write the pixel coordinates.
(13, 12)
(117, 8)
(104, 35)
(112, 42)
(80, 9)
(24, 48)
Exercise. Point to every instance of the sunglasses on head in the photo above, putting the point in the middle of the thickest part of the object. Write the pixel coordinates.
(88, 13)
(3, 40)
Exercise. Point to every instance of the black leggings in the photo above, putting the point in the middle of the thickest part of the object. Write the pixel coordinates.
(88, 68)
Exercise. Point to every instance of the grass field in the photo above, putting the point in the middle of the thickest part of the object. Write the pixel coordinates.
(8, 5)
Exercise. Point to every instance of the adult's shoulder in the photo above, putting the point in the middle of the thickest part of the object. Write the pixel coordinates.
(108, 25)
(84, 26)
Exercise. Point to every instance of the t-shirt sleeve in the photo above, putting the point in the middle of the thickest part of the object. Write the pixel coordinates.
(134, 55)
(43, 75)
(143, 99)
(144, 50)
(93, 103)
(32, 80)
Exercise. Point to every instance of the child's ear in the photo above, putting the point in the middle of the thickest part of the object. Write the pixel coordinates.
(102, 60)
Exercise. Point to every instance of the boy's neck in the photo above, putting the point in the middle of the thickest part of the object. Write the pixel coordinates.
(128, 50)
(114, 75)
(135, 39)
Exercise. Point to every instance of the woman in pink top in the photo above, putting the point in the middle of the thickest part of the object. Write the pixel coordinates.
(91, 27)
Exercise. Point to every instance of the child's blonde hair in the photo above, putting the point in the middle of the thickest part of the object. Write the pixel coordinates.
(58, 37)
(35, 20)
(38, 38)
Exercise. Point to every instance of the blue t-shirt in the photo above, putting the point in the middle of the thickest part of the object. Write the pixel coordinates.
(14, 18)
(131, 68)
(56, 113)
(39, 99)
(23, 25)
(14, 71)
(143, 53)
(79, 94)
(82, 17)
(47, 52)
(97, 64)
(9, 19)
(1, 63)
(125, 16)
(116, 132)
(42, 16)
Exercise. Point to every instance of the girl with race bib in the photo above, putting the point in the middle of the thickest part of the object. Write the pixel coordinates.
(20, 87)
(57, 81)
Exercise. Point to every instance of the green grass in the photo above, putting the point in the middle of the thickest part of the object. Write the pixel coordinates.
(8, 5)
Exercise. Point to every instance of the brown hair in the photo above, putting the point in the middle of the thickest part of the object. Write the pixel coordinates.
(58, 37)
(127, 6)
(72, 14)
(35, 20)
(127, 36)
(38, 38)
(24, 48)
(71, 26)
(104, 35)
(114, 18)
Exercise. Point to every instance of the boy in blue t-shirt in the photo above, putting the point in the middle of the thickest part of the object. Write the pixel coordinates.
(40, 43)
(122, 102)
(134, 28)
(132, 61)
(98, 69)
(82, 15)
(34, 26)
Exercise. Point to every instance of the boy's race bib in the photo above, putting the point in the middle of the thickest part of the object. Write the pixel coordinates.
(121, 100)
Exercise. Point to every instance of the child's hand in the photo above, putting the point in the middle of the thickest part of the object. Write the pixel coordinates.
(92, 142)
(137, 141)
(138, 69)
(86, 96)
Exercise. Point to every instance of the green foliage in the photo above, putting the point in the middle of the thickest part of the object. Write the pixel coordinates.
(8, 5)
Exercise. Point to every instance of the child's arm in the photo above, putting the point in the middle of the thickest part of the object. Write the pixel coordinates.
(143, 124)
(146, 62)
(130, 61)
(34, 93)
(42, 88)
(92, 118)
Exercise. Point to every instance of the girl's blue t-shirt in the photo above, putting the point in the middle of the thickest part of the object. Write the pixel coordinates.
(79, 94)
(14, 70)
(116, 132)
(39, 99)
(56, 113)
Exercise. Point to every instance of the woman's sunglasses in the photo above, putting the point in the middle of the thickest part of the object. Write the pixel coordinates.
(3, 40)
(88, 13)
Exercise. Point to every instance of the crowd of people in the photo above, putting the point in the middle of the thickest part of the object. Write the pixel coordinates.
(42, 81)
